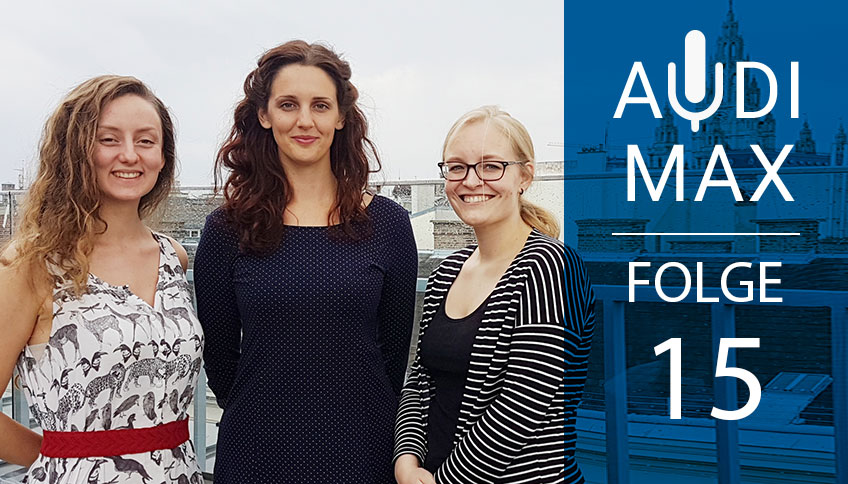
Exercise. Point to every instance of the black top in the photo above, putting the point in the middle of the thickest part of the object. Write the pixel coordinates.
(306, 348)
(446, 353)
(517, 419)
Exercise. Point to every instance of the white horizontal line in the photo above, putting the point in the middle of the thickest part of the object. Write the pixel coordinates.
(706, 233)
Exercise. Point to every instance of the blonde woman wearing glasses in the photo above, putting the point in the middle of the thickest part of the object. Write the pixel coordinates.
(505, 331)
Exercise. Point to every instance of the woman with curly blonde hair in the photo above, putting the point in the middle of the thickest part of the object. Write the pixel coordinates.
(85, 279)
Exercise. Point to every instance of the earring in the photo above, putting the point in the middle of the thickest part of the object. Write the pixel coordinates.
(521, 191)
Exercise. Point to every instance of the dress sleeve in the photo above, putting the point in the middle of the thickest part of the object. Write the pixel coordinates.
(546, 350)
(217, 307)
(396, 312)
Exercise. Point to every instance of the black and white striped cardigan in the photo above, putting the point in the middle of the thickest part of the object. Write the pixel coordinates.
(526, 377)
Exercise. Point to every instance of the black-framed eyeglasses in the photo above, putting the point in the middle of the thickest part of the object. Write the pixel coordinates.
(486, 170)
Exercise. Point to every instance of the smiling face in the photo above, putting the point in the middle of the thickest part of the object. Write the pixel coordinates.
(485, 203)
(128, 149)
(303, 114)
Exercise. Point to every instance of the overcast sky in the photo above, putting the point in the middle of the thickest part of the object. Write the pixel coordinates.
(418, 66)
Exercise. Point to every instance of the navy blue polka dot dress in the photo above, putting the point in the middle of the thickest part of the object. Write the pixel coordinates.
(306, 349)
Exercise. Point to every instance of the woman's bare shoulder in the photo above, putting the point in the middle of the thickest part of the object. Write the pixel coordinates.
(182, 255)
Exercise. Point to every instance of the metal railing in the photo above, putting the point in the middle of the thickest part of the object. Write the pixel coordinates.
(613, 299)
(723, 325)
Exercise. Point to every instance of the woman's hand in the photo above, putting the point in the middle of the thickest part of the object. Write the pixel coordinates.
(407, 471)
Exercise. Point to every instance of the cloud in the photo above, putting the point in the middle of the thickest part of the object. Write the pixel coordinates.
(418, 66)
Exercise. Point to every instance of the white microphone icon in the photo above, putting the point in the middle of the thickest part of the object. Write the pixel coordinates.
(694, 66)
(695, 83)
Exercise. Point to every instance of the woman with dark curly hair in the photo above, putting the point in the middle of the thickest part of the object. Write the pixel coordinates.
(305, 283)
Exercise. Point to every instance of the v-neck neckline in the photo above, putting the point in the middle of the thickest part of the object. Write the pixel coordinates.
(126, 287)
(501, 280)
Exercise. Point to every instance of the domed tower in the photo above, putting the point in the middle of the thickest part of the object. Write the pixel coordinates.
(840, 142)
(724, 127)
(665, 137)
(729, 50)
(766, 132)
(805, 143)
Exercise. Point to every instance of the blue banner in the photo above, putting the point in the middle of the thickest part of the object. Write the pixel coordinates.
(706, 185)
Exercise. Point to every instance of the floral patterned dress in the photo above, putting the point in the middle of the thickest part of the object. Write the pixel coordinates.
(115, 362)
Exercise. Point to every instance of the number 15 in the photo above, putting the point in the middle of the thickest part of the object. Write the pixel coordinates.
(722, 369)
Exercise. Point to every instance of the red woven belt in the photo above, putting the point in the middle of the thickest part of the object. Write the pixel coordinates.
(104, 443)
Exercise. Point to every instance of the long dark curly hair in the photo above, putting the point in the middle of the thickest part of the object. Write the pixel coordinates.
(256, 191)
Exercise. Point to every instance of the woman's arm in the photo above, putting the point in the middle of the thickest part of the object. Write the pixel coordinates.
(396, 313)
(411, 422)
(20, 301)
(217, 307)
(411, 430)
(547, 346)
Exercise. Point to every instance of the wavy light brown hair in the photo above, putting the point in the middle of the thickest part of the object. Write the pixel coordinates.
(521, 143)
(256, 191)
(62, 210)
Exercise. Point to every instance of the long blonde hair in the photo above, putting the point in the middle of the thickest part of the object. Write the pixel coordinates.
(62, 209)
(532, 214)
